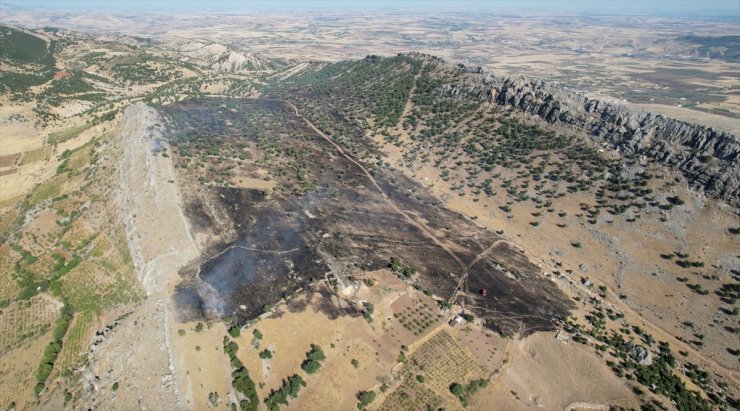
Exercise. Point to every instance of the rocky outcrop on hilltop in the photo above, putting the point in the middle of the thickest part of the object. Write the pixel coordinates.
(223, 58)
(708, 158)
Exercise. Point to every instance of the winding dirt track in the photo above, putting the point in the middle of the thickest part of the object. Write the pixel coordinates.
(370, 177)
(412, 221)
(464, 276)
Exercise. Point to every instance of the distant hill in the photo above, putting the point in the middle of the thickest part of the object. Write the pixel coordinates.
(223, 58)
(29, 59)
(726, 48)
(20, 47)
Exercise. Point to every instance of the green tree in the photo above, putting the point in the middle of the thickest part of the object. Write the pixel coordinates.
(310, 366)
(365, 398)
(266, 354)
(457, 389)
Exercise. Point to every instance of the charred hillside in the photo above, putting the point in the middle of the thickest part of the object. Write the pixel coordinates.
(286, 206)
(708, 158)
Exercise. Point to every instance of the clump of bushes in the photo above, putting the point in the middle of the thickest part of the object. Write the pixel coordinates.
(312, 363)
(290, 388)
(400, 268)
(463, 393)
(266, 354)
(368, 312)
(46, 365)
(240, 379)
(365, 398)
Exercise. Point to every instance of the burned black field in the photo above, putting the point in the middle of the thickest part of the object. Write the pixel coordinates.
(279, 206)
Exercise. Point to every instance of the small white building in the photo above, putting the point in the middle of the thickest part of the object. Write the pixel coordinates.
(456, 321)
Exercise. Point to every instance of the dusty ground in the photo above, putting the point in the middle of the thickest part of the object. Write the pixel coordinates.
(319, 317)
(576, 374)
(342, 341)
(543, 372)
(203, 365)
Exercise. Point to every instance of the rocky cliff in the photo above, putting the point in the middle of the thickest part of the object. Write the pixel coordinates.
(708, 158)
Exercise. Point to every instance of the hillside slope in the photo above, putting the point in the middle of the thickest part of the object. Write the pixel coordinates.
(708, 158)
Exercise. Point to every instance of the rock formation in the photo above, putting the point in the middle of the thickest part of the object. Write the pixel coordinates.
(708, 158)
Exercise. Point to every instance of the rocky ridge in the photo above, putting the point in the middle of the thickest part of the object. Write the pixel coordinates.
(708, 158)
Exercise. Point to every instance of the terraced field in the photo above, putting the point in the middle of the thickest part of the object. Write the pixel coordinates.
(26, 319)
(8, 287)
(39, 154)
(76, 343)
(440, 362)
(93, 286)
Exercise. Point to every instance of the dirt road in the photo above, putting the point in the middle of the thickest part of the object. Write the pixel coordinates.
(464, 276)
(370, 177)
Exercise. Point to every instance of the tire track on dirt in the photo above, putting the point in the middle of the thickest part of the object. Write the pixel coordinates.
(390, 202)
(479, 257)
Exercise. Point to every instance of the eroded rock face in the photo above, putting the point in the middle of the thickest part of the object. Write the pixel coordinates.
(708, 158)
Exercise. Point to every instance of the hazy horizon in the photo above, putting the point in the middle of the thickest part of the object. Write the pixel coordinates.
(686, 8)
